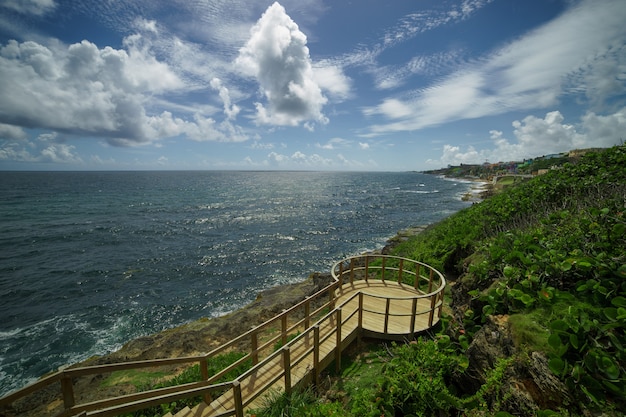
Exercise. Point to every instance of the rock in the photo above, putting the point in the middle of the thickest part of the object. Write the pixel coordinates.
(546, 389)
(491, 343)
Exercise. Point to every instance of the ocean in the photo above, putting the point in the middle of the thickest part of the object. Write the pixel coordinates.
(91, 260)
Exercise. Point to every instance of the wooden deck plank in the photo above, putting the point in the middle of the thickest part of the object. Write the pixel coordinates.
(376, 293)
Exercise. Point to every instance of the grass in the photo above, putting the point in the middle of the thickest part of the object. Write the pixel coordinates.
(529, 330)
(138, 378)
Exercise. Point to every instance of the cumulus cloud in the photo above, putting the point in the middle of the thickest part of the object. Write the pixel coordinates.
(85, 90)
(11, 132)
(536, 136)
(46, 148)
(534, 71)
(334, 143)
(331, 78)
(297, 160)
(276, 55)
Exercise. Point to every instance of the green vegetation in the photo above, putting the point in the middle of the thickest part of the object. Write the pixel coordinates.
(548, 254)
(152, 380)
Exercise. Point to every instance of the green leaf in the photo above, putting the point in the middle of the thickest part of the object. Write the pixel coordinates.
(487, 310)
(508, 271)
(463, 342)
(619, 230)
(557, 366)
(567, 265)
(608, 367)
(527, 299)
(610, 313)
(573, 340)
(559, 325)
(619, 301)
(615, 388)
(554, 341)
(616, 342)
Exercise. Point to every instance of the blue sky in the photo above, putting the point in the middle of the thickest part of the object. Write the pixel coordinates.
(360, 85)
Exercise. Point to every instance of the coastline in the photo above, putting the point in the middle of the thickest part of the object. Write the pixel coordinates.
(203, 335)
(200, 336)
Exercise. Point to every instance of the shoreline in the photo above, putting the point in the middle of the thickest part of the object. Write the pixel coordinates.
(201, 335)
(204, 334)
(192, 338)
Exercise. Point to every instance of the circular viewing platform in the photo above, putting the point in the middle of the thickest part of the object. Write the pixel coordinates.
(399, 296)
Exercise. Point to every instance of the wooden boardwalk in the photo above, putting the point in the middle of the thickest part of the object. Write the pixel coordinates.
(371, 295)
(387, 309)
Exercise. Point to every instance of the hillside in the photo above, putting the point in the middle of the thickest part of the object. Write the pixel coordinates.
(543, 266)
(537, 309)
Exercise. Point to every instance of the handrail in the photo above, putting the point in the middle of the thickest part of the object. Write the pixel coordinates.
(404, 271)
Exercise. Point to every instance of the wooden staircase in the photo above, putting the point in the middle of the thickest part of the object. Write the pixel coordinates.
(372, 295)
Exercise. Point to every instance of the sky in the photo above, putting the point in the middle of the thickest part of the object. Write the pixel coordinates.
(339, 85)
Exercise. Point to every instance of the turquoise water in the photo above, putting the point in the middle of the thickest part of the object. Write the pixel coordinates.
(90, 260)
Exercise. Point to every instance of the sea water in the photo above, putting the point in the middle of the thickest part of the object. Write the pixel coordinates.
(91, 260)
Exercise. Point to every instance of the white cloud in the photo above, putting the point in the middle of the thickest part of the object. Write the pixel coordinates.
(60, 153)
(35, 7)
(89, 91)
(230, 110)
(277, 56)
(541, 136)
(11, 132)
(531, 72)
(331, 78)
(334, 143)
(416, 23)
(298, 160)
(364, 145)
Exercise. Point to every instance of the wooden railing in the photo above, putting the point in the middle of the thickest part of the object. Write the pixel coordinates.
(424, 279)
(314, 321)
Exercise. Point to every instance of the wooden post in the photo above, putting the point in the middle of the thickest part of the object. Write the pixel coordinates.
(338, 347)
(360, 310)
(67, 387)
(307, 313)
(316, 354)
(204, 372)
(254, 347)
(238, 399)
(387, 307)
(433, 298)
(383, 268)
(283, 333)
(441, 294)
(351, 270)
(413, 311)
(287, 368)
(367, 266)
(341, 277)
(400, 271)
(360, 329)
